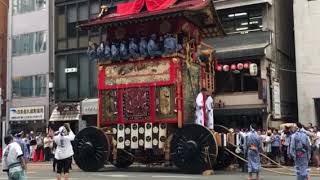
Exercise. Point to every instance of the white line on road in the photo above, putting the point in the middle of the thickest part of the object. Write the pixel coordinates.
(178, 177)
(115, 175)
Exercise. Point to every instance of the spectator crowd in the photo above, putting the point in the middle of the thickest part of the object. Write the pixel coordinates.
(276, 144)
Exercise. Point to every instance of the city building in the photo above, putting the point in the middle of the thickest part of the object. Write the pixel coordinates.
(254, 79)
(29, 65)
(75, 75)
(306, 18)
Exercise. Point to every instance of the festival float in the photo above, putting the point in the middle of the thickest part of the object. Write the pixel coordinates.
(151, 66)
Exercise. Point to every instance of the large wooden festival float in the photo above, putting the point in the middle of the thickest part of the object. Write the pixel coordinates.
(151, 66)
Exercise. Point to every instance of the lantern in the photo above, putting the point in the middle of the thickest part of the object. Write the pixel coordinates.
(253, 69)
(233, 67)
(226, 68)
(219, 67)
(246, 65)
(239, 66)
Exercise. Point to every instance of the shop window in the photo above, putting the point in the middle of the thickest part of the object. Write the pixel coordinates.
(247, 18)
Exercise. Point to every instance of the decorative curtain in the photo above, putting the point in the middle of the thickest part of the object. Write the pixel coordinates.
(154, 5)
(130, 7)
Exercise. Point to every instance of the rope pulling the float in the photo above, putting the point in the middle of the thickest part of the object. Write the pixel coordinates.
(266, 169)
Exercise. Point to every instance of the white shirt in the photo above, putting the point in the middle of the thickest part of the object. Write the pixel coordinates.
(209, 103)
(199, 100)
(318, 140)
(10, 156)
(64, 148)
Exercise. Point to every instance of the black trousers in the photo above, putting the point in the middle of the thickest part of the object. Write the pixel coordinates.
(47, 154)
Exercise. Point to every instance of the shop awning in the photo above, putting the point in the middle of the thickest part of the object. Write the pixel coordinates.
(235, 46)
(240, 110)
(89, 107)
(65, 112)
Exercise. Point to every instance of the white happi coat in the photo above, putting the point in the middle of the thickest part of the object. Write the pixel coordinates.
(209, 109)
(199, 110)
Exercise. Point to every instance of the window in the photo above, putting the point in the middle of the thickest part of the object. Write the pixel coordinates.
(40, 85)
(29, 86)
(25, 6)
(40, 42)
(94, 9)
(241, 19)
(236, 82)
(69, 16)
(77, 85)
(31, 43)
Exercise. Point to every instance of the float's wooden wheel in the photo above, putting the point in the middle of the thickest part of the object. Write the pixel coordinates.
(91, 149)
(193, 148)
(124, 159)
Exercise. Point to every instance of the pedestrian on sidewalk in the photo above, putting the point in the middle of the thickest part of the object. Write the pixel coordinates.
(12, 160)
(33, 145)
(317, 147)
(64, 150)
(275, 149)
(23, 145)
(48, 145)
(253, 149)
(300, 151)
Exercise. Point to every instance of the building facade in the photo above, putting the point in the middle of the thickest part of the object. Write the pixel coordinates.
(255, 79)
(75, 75)
(306, 17)
(29, 65)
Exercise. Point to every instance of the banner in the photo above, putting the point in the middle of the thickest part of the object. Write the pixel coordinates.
(27, 113)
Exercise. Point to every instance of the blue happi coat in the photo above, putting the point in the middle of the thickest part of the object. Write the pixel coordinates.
(300, 151)
(253, 155)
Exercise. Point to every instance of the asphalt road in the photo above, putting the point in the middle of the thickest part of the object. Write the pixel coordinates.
(43, 171)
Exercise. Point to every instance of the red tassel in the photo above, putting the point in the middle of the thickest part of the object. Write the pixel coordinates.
(35, 158)
(41, 156)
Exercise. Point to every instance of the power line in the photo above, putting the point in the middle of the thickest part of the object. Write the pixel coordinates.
(301, 72)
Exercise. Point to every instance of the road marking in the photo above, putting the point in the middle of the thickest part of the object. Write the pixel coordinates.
(178, 177)
(114, 175)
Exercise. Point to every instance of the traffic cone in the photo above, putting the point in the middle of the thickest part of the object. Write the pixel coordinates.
(41, 156)
(34, 157)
